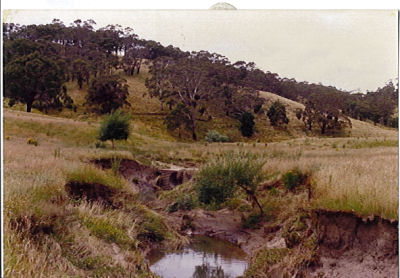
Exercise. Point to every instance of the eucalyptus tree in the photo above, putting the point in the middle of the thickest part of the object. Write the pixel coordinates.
(35, 77)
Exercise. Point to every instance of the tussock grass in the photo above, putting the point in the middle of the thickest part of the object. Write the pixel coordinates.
(91, 174)
(263, 259)
(102, 228)
(81, 240)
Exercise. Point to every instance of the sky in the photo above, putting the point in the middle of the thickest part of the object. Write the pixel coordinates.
(349, 49)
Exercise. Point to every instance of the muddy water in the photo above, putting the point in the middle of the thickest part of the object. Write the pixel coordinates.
(205, 257)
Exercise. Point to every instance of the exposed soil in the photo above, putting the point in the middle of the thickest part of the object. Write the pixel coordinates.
(351, 247)
(347, 246)
(226, 224)
(93, 192)
(146, 178)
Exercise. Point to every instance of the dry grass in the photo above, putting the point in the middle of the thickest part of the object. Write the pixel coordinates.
(84, 240)
(357, 173)
(349, 173)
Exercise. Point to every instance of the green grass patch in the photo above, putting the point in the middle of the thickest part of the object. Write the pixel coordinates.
(356, 206)
(373, 144)
(90, 174)
(79, 134)
(263, 259)
(152, 228)
(104, 229)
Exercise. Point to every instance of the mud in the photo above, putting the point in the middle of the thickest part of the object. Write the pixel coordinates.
(348, 246)
(352, 247)
(146, 178)
(223, 224)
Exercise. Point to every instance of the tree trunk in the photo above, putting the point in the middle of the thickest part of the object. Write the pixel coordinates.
(29, 106)
(323, 127)
(253, 198)
(112, 142)
(138, 67)
(258, 204)
(192, 120)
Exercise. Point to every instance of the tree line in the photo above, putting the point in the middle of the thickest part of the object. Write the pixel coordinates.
(194, 86)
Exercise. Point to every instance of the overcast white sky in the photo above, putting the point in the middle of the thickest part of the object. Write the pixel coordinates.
(346, 49)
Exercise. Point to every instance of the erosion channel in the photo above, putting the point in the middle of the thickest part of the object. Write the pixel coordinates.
(310, 243)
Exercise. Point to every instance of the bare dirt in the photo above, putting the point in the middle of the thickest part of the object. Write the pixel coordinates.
(93, 192)
(147, 178)
(226, 224)
(352, 247)
(347, 245)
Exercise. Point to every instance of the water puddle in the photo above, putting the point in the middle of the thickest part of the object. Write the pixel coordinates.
(205, 257)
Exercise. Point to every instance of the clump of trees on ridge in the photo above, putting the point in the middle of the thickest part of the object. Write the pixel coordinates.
(195, 86)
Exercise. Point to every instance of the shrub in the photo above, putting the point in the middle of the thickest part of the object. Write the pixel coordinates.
(115, 127)
(184, 202)
(218, 180)
(394, 122)
(215, 136)
(32, 141)
(215, 185)
(277, 114)
(247, 124)
(293, 178)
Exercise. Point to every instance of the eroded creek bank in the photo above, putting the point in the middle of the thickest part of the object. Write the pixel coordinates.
(352, 247)
(345, 245)
(147, 178)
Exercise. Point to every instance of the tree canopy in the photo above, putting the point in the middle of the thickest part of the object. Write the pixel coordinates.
(35, 78)
(247, 124)
(107, 93)
(115, 127)
(277, 114)
(208, 84)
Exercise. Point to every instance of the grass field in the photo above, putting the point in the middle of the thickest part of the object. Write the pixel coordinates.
(48, 235)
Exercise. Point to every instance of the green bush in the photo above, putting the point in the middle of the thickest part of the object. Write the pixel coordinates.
(247, 124)
(215, 136)
(184, 202)
(215, 185)
(293, 178)
(277, 114)
(218, 180)
(115, 127)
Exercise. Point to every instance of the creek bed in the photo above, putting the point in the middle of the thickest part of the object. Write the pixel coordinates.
(204, 257)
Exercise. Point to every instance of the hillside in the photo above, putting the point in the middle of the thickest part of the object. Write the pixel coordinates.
(47, 156)
(210, 177)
